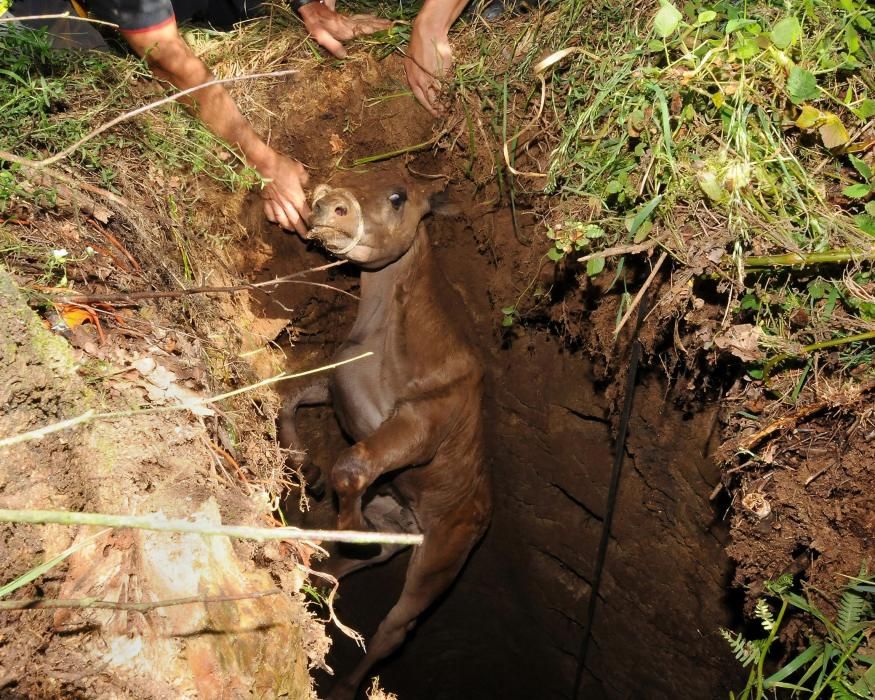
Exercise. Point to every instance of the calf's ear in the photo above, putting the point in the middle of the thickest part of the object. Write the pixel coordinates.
(437, 198)
(441, 204)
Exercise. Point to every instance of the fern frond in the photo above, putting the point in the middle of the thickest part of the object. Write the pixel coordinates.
(779, 586)
(764, 613)
(746, 651)
(841, 692)
(850, 611)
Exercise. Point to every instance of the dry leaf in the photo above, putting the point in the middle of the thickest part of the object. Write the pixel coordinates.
(742, 341)
(336, 143)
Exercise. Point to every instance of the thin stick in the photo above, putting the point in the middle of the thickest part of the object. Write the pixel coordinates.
(621, 250)
(641, 293)
(44, 603)
(60, 15)
(134, 296)
(90, 415)
(4, 155)
(159, 523)
(54, 174)
(393, 154)
(840, 255)
(40, 433)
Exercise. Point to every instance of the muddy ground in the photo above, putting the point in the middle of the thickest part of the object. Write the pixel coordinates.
(512, 625)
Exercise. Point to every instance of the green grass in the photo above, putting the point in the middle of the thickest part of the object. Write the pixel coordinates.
(723, 132)
(836, 662)
(49, 99)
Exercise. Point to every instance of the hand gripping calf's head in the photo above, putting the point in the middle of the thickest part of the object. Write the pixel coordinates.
(370, 219)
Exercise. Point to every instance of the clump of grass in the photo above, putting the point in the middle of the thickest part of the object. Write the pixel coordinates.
(726, 134)
(49, 99)
(835, 662)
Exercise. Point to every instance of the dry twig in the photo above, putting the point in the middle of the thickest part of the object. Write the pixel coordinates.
(4, 155)
(136, 296)
(44, 603)
(90, 415)
(159, 523)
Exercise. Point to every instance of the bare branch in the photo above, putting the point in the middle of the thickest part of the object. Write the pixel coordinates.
(159, 523)
(47, 603)
(90, 415)
(136, 296)
(60, 15)
(4, 155)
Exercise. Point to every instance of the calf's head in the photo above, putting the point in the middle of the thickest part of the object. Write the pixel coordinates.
(372, 218)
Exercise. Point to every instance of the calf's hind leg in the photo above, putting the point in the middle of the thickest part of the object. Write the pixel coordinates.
(433, 567)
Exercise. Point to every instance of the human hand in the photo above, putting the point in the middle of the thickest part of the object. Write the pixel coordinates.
(284, 199)
(429, 58)
(329, 29)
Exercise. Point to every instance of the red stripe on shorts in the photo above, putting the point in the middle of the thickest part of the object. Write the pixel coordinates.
(167, 21)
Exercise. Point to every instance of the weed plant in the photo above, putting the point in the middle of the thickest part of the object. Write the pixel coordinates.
(50, 99)
(738, 137)
(838, 661)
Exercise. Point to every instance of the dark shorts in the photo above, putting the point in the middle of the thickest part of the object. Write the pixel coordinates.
(143, 15)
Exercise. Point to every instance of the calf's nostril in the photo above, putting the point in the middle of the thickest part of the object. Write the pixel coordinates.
(340, 211)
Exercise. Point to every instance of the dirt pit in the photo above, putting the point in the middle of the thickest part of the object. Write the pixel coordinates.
(512, 625)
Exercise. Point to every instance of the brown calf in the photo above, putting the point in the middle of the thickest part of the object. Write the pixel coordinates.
(413, 408)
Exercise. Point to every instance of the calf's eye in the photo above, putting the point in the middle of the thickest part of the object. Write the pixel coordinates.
(396, 199)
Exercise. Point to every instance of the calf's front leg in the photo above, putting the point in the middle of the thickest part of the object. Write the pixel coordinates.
(411, 436)
(315, 394)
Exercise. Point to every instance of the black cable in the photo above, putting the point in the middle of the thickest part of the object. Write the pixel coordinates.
(631, 378)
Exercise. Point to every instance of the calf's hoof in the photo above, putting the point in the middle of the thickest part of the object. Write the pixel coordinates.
(349, 550)
(342, 691)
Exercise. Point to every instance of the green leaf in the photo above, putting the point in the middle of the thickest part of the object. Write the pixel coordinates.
(507, 321)
(555, 255)
(655, 45)
(805, 657)
(613, 187)
(861, 167)
(593, 231)
(870, 208)
(734, 25)
(667, 20)
(786, 32)
(857, 191)
(808, 118)
(802, 85)
(745, 49)
(866, 109)
(865, 223)
(706, 16)
(643, 232)
(508, 310)
(594, 266)
(643, 215)
(852, 39)
(711, 185)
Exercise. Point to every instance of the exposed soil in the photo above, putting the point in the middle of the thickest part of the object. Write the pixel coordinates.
(512, 625)
(808, 507)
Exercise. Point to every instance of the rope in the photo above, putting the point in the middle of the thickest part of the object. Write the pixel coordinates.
(631, 378)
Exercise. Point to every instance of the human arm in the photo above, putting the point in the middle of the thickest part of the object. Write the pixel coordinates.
(172, 59)
(429, 56)
(331, 29)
